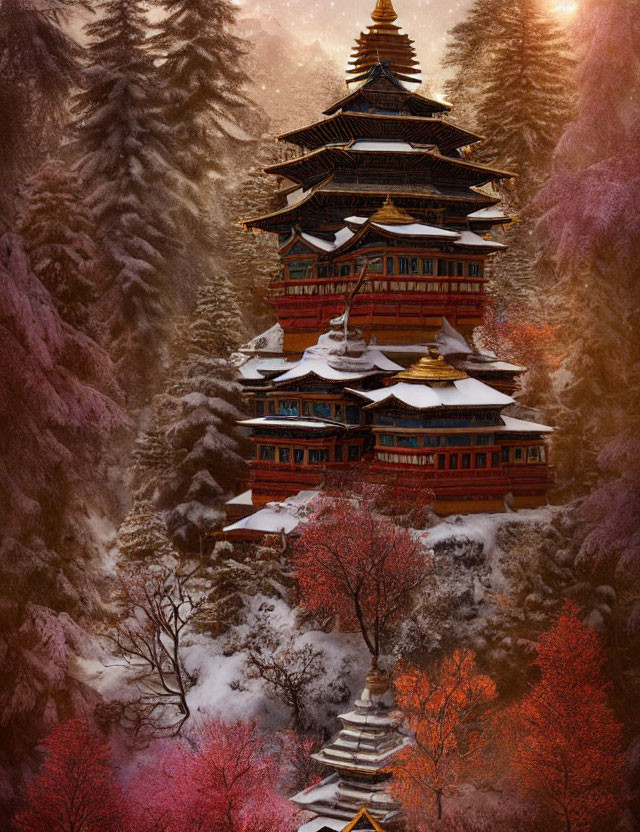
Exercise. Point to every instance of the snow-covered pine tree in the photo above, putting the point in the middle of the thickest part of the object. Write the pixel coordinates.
(195, 420)
(525, 98)
(58, 411)
(58, 231)
(38, 69)
(252, 257)
(143, 536)
(125, 165)
(202, 79)
(514, 77)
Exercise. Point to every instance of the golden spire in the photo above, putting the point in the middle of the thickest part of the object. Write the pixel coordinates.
(390, 215)
(383, 43)
(384, 12)
(431, 367)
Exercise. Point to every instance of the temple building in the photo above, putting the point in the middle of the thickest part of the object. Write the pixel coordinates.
(384, 226)
(359, 757)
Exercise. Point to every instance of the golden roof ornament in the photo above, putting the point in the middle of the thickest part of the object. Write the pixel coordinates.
(377, 682)
(431, 367)
(389, 214)
(384, 12)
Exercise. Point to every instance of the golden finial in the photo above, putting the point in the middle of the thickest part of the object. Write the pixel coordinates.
(390, 215)
(377, 681)
(431, 367)
(384, 12)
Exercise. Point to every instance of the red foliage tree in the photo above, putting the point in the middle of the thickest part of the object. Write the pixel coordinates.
(229, 782)
(75, 790)
(443, 710)
(566, 746)
(356, 564)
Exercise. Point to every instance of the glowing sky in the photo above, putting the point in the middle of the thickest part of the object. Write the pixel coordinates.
(337, 23)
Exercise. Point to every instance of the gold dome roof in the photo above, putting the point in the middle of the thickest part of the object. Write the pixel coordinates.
(384, 12)
(390, 215)
(431, 367)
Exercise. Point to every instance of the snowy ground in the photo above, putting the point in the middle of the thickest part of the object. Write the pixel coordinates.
(469, 553)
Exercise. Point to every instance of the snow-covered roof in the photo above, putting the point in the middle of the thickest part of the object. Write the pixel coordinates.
(416, 229)
(287, 422)
(468, 238)
(315, 825)
(466, 392)
(384, 146)
(491, 213)
(321, 368)
(296, 196)
(450, 341)
(340, 238)
(478, 362)
(244, 499)
(356, 220)
(513, 425)
(254, 368)
(271, 340)
(275, 517)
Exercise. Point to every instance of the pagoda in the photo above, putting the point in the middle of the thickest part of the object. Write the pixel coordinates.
(384, 224)
(359, 757)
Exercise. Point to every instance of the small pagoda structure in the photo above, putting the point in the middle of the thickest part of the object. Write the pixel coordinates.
(359, 756)
(384, 222)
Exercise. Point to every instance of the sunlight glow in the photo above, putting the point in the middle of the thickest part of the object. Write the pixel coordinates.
(568, 8)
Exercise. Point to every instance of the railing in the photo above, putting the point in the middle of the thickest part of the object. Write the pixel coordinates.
(384, 285)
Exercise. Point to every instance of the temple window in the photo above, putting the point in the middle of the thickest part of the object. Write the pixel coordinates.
(442, 462)
(272, 407)
(408, 442)
(267, 453)
(518, 454)
(466, 461)
(353, 415)
(484, 439)
(288, 407)
(353, 452)
(475, 269)
(345, 269)
(323, 271)
(298, 456)
(284, 455)
(408, 265)
(427, 265)
(376, 266)
(442, 268)
(300, 271)
(453, 461)
(386, 439)
(390, 265)
(481, 461)
(259, 407)
(505, 454)
(318, 455)
(338, 412)
(322, 410)
(535, 454)
(495, 459)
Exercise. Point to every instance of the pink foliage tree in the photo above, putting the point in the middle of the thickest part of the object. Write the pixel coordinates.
(354, 563)
(229, 782)
(75, 789)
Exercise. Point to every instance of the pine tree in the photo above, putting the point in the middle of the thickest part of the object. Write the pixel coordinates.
(195, 426)
(524, 101)
(143, 535)
(38, 69)
(216, 328)
(124, 163)
(202, 78)
(58, 230)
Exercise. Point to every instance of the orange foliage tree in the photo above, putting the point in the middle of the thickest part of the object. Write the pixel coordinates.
(356, 564)
(510, 335)
(565, 744)
(444, 709)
